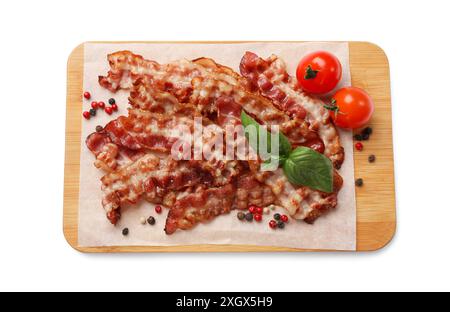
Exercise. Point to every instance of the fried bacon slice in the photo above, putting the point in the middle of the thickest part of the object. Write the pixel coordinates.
(199, 206)
(202, 205)
(151, 176)
(302, 203)
(271, 79)
(110, 156)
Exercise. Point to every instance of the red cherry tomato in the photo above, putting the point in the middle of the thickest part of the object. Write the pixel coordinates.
(319, 72)
(354, 107)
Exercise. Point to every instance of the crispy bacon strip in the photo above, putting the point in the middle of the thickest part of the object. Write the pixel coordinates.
(202, 205)
(271, 79)
(302, 203)
(110, 156)
(151, 176)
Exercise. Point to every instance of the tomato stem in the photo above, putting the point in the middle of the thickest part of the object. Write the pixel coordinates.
(310, 73)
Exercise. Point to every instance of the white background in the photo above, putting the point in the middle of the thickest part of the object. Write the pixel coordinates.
(38, 36)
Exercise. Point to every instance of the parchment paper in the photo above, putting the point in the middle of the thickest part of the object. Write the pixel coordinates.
(336, 230)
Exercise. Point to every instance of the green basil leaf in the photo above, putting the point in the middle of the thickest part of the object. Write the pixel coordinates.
(284, 144)
(307, 167)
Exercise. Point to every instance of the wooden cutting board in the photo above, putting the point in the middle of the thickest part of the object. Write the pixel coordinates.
(376, 216)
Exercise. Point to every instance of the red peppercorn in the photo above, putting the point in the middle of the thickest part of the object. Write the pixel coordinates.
(94, 105)
(101, 104)
(258, 217)
(273, 224)
(86, 115)
(158, 209)
(359, 146)
(258, 210)
(284, 218)
(108, 110)
(252, 209)
(87, 95)
(114, 107)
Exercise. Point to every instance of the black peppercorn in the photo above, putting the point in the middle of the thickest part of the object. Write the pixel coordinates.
(111, 101)
(92, 112)
(241, 215)
(277, 216)
(365, 136)
(249, 216)
(359, 182)
(367, 130)
(358, 137)
(99, 128)
(125, 232)
(151, 220)
(372, 158)
(280, 224)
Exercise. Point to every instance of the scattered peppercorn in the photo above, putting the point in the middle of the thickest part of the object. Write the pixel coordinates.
(358, 137)
(94, 105)
(277, 216)
(284, 218)
(280, 224)
(142, 220)
(99, 128)
(101, 104)
(258, 217)
(359, 182)
(273, 224)
(266, 210)
(92, 112)
(108, 110)
(359, 146)
(258, 210)
(249, 216)
(367, 130)
(241, 215)
(158, 209)
(111, 101)
(372, 158)
(87, 95)
(86, 115)
(365, 136)
(114, 107)
(151, 220)
(125, 232)
(252, 209)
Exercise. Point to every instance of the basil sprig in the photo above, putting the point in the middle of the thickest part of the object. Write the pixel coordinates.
(302, 166)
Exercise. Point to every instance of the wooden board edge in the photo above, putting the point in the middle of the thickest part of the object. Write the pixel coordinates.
(70, 229)
(374, 236)
(72, 146)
